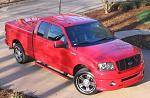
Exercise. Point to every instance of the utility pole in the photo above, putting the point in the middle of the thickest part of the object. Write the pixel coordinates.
(60, 4)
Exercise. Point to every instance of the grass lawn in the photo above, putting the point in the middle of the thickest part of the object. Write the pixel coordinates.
(144, 16)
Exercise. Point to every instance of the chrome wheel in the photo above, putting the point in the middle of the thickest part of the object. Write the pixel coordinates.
(18, 54)
(86, 83)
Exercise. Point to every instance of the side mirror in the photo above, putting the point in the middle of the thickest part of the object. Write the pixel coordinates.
(59, 44)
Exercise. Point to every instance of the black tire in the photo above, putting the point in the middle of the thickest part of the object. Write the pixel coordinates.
(91, 84)
(19, 54)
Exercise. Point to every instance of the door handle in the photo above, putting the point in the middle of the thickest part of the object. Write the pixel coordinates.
(73, 53)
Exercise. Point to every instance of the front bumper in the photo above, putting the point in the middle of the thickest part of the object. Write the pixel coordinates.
(121, 80)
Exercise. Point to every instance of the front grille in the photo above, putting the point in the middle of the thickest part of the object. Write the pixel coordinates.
(128, 63)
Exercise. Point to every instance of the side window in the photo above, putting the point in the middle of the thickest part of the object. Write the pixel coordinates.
(54, 31)
(43, 28)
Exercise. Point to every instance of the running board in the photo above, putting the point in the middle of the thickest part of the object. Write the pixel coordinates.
(45, 66)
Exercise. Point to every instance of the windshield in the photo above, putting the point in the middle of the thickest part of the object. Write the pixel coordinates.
(88, 34)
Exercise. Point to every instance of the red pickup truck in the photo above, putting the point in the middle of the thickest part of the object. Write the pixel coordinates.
(76, 46)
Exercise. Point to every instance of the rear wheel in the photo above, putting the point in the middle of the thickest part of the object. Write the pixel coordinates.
(84, 82)
(19, 54)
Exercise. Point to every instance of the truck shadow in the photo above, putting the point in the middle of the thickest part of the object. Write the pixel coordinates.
(8, 57)
(22, 71)
(56, 89)
(7, 78)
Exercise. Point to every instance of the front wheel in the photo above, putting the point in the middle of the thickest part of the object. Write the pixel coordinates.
(84, 82)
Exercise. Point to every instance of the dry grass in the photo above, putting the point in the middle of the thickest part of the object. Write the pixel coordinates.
(5, 93)
(118, 21)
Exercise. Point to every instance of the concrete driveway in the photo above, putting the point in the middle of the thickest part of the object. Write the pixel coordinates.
(34, 80)
(37, 81)
(30, 8)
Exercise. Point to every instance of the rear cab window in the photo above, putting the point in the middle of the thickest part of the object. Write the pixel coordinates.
(43, 29)
(51, 32)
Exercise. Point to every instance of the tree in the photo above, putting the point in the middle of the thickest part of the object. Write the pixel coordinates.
(108, 5)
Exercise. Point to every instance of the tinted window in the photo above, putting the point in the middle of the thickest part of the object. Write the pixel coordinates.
(54, 31)
(43, 28)
(88, 34)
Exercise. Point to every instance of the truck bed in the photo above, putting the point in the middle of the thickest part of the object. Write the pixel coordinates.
(27, 24)
(21, 30)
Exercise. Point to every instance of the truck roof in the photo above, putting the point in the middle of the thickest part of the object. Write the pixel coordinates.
(67, 20)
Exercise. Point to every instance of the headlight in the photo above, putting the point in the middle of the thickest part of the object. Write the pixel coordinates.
(106, 66)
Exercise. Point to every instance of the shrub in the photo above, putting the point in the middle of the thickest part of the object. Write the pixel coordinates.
(145, 2)
(140, 3)
(115, 6)
(137, 2)
(123, 6)
(128, 5)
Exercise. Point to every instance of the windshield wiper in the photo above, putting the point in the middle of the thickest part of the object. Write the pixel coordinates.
(88, 42)
(106, 38)
(82, 43)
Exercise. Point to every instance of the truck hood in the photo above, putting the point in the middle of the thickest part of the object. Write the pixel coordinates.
(110, 51)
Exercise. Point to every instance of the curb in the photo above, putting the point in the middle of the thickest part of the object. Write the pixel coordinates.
(129, 33)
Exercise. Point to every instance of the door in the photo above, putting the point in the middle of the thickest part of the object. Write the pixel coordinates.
(39, 40)
(57, 57)
(45, 51)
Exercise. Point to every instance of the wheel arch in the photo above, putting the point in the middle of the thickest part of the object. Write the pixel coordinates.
(15, 41)
(78, 67)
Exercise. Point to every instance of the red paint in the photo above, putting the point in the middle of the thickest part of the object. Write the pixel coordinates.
(65, 59)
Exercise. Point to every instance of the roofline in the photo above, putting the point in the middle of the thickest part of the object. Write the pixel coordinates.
(49, 19)
(79, 23)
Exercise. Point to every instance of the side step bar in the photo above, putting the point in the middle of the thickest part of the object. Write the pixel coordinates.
(45, 66)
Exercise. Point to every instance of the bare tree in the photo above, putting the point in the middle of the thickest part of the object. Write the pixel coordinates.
(107, 5)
